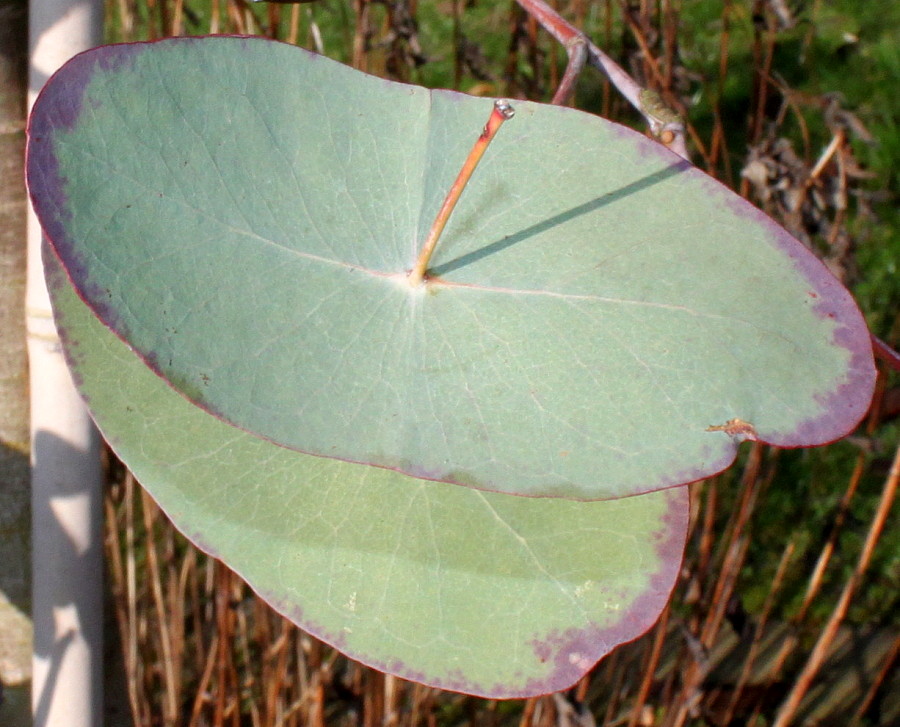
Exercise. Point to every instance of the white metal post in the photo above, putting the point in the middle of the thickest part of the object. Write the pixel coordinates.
(66, 476)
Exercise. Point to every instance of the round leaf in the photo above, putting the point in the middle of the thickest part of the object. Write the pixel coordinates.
(601, 318)
(490, 594)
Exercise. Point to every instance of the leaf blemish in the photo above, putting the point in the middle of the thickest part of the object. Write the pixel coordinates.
(736, 428)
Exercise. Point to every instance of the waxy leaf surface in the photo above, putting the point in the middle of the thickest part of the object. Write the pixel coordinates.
(243, 212)
(490, 594)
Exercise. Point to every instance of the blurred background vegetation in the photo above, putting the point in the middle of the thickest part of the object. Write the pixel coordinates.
(787, 609)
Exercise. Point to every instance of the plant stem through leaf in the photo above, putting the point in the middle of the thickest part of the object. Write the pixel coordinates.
(503, 111)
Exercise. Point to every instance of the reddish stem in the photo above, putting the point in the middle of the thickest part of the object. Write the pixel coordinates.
(665, 127)
(887, 354)
(502, 112)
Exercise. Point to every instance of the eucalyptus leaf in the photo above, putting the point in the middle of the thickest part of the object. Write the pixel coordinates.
(601, 318)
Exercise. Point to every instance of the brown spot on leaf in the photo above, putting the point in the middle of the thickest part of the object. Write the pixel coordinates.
(736, 428)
